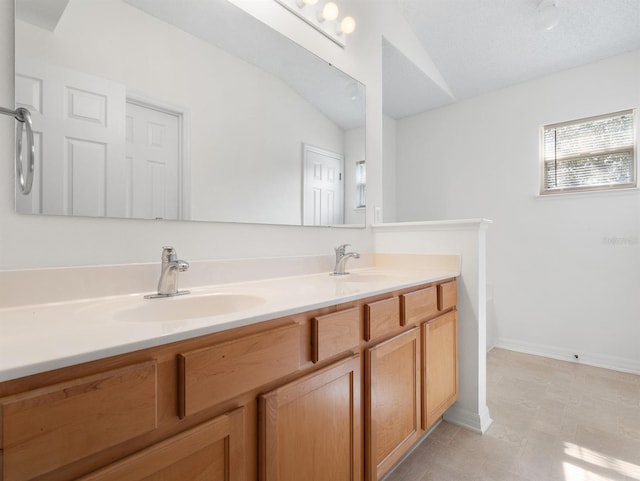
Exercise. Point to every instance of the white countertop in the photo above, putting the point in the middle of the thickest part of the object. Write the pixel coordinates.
(42, 337)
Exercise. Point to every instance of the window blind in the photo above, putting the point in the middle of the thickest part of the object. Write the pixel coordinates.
(590, 154)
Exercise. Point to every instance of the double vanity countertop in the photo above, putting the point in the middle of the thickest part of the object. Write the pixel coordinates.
(40, 337)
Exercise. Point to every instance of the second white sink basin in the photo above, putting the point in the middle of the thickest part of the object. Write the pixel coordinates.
(188, 307)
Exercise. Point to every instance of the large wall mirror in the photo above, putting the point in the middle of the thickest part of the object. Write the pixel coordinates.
(187, 110)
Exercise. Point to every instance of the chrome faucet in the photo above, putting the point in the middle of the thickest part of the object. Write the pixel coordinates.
(168, 283)
(341, 259)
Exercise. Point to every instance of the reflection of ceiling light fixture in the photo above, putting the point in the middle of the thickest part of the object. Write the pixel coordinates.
(548, 15)
(329, 12)
(347, 26)
(323, 18)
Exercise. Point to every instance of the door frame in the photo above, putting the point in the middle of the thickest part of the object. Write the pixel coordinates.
(306, 148)
(184, 150)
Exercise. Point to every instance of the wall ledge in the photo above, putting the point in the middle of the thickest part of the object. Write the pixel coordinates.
(434, 225)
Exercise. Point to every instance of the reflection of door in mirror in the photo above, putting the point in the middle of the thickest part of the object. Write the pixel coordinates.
(90, 169)
(322, 198)
(153, 153)
(73, 114)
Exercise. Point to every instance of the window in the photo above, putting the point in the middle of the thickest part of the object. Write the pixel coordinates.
(590, 154)
(361, 184)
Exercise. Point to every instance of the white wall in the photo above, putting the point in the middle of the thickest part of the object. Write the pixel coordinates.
(563, 271)
(354, 152)
(389, 180)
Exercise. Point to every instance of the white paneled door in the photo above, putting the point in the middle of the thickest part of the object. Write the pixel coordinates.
(98, 153)
(79, 132)
(153, 155)
(323, 187)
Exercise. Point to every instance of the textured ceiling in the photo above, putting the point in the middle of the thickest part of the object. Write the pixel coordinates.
(481, 46)
(406, 90)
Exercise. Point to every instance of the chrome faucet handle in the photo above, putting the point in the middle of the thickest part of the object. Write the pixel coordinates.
(341, 248)
(169, 254)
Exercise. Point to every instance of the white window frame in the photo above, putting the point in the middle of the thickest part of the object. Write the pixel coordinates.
(544, 190)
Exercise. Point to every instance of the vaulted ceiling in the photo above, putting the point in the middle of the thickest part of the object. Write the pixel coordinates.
(481, 46)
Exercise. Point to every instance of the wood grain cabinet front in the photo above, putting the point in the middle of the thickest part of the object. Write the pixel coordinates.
(212, 451)
(393, 401)
(310, 427)
(334, 333)
(440, 366)
(419, 305)
(447, 295)
(381, 318)
(211, 375)
(53, 426)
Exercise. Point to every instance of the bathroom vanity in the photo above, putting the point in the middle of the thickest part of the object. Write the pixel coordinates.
(336, 389)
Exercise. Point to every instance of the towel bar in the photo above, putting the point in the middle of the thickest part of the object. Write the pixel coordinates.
(23, 116)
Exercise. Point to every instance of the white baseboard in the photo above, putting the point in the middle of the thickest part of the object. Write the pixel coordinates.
(568, 354)
(477, 422)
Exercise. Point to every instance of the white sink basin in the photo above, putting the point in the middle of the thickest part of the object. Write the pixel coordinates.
(188, 307)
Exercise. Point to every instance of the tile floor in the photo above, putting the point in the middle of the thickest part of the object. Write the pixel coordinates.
(552, 421)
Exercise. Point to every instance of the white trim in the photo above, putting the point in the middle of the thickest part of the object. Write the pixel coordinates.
(476, 422)
(568, 354)
(590, 193)
(436, 225)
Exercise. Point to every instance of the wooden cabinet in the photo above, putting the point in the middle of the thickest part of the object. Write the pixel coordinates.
(310, 428)
(280, 400)
(381, 318)
(418, 305)
(334, 333)
(393, 401)
(439, 366)
(212, 451)
(222, 371)
(59, 424)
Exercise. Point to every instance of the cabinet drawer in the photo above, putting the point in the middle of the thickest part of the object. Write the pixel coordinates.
(57, 425)
(211, 451)
(447, 295)
(418, 305)
(214, 374)
(334, 333)
(381, 318)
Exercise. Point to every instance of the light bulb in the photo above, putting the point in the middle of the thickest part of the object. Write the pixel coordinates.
(330, 11)
(347, 25)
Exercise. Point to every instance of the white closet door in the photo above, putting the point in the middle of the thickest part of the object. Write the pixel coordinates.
(323, 189)
(79, 123)
(153, 154)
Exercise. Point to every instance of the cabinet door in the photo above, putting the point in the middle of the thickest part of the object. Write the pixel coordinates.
(212, 451)
(393, 409)
(440, 367)
(310, 428)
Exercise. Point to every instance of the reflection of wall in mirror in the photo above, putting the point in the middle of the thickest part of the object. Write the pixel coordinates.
(237, 113)
(354, 153)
